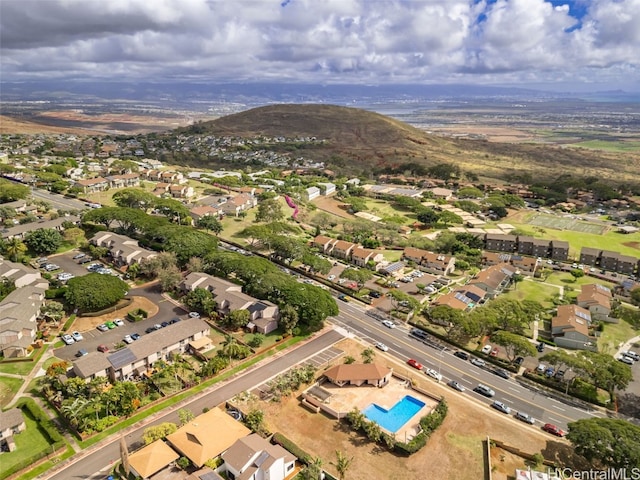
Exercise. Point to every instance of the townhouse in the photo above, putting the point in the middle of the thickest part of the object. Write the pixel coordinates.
(253, 457)
(501, 243)
(597, 299)
(92, 185)
(362, 256)
(124, 181)
(311, 193)
(611, 261)
(432, 262)
(536, 247)
(20, 231)
(19, 312)
(570, 328)
(122, 249)
(494, 280)
(11, 422)
(240, 203)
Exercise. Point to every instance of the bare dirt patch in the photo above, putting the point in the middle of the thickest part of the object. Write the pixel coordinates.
(82, 324)
(454, 451)
(331, 205)
(635, 245)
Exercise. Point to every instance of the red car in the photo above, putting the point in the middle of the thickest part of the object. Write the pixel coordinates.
(103, 348)
(414, 363)
(494, 352)
(553, 429)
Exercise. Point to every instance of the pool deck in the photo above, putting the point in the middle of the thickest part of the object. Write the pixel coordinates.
(343, 399)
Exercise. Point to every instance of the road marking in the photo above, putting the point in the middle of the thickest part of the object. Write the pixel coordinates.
(515, 389)
(436, 358)
(555, 420)
(561, 409)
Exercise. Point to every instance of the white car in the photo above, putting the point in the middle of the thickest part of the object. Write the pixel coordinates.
(331, 278)
(77, 336)
(194, 315)
(486, 349)
(433, 374)
(63, 277)
(389, 324)
(625, 359)
(382, 346)
(68, 339)
(128, 339)
(119, 322)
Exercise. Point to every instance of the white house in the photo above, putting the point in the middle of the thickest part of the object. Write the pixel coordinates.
(311, 193)
(254, 458)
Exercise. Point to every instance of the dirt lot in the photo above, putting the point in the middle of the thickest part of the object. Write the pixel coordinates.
(83, 324)
(454, 452)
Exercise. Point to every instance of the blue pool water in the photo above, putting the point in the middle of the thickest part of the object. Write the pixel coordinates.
(392, 420)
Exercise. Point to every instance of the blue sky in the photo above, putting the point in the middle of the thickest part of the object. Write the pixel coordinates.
(581, 44)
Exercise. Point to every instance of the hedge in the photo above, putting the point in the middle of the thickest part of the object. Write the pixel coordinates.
(429, 424)
(52, 293)
(291, 447)
(69, 322)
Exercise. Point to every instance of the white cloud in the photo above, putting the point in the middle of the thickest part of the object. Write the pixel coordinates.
(350, 41)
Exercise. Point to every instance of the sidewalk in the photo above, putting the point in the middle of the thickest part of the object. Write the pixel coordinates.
(36, 371)
(628, 345)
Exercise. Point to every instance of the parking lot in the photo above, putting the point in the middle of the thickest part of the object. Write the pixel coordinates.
(68, 264)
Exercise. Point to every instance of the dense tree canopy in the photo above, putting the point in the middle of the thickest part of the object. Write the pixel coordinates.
(11, 191)
(606, 442)
(94, 292)
(43, 240)
(514, 344)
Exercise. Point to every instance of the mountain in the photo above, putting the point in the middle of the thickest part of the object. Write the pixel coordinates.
(361, 141)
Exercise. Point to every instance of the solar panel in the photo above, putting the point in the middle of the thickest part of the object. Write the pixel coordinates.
(583, 316)
(462, 297)
(121, 358)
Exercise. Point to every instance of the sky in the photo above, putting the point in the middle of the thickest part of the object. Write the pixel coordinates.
(554, 44)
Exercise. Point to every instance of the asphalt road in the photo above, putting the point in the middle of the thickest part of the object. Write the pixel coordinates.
(59, 202)
(92, 464)
(520, 398)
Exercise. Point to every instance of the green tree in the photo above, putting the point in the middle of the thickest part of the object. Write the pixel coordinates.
(74, 236)
(316, 264)
(342, 464)
(606, 442)
(514, 344)
(52, 310)
(314, 469)
(163, 261)
(15, 248)
(269, 210)
(134, 198)
(200, 300)
(183, 463)
(43, 240)
(186, 242)
(606, 372)
(12, 191)
(360, 276)
(348, 360)
(170, 279)
(428, 216)
(635, 296)
(151, 434)
(368, 355)
(209, 223)
(256, 340)
(288, 318)
(236, 319)
(94, 292)
(254, 420)
(576, 273)
(185, 415)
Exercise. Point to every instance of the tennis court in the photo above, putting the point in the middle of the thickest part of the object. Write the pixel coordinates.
(567, 223)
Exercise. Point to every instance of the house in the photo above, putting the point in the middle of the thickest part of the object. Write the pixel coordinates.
(500, 242)
(18, 314)
(161, 188)
(590, 256)
(181, 191)
(11, 422)
(19, 274)
(328, 188)
(215, 285)
(125, 180)
(92, 185)
(151, 459)
(494, 258)
(204, 211)
(596, 299)
(311, 193)
(456, 300)
(137, 358)
(570, 328)
(559, 250)
(20, 231)
(362, 256)
(325, 244)
(617, 262)
(441, 193)
(536, 247)
(432, 262)
(524, 264)
(122, 249)
(240, 203)
(359, 374)
(254, 458)
(494, 279)
(207, 436)
(342, 249)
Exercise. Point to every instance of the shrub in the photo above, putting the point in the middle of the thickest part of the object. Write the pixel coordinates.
(291, 447)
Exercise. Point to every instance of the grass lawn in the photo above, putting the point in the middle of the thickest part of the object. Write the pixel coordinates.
(22, 368)
(232, 225)
(615, 334)
(392, 255)
(565, 279)
(612, 240)
(533, 290)
(28, 443)
(9, 386)
(382, 208)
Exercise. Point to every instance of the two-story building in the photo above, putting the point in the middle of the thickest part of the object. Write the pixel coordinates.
(254, 458)
(501, 242)
(122, 249)
(570, 328)
(597, 299)
(92, 185)
(431, 262)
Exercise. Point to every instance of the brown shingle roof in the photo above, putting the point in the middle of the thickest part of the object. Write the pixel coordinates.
(357, 372)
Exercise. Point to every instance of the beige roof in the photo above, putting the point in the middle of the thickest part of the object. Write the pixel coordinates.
(152, 458)
(201, 342)
(356, 372)
(207, 436)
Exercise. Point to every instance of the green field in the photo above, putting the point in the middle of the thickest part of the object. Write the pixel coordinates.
(614, 335)
(383, 209)
(610, 146)
(9, 386)
(566, 223)
(533, 290)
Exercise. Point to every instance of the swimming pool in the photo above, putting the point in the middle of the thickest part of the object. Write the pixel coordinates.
(392, 420)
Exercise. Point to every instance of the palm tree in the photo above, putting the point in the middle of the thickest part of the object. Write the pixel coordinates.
(368, 355)
(342, 464)
(314, 469)
(15, 247)
(231, 348)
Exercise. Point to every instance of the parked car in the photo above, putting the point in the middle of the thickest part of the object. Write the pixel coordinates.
(484, 390)
(501, 407)
(462, 355)
(478, 362)
(103, 348)
(632, 354)
(164, 324)
(68, 339)
(150, 329)
(494, 352)
(110, 325)
(63, 277)
(525, 417)
(389, 324)
(81, 353)
(541, 368)
(553, 429)
(414, 364)
(375, 294)
(174, 320)
(486, 349)
(127, 339)
(119, 322)
(77, 336)
(549, 372)
(103, 327)
(502, 373)
(79, 256)
(540, 347)
(381, 346)
(331, 278)
(625, 359)
(519, 361)
(433, 374)
(135, 336)
(50, 267)
(157, 326)
(193, 315)
(84, 260)
(456, 386)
